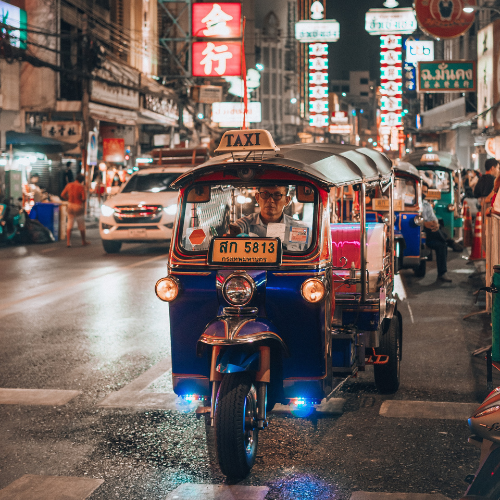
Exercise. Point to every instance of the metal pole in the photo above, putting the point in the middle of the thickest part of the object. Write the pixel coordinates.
(391, 223)
(362, 222)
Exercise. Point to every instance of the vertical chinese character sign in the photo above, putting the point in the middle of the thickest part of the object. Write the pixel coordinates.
(391, 80)
(318, 84)
(213, 58)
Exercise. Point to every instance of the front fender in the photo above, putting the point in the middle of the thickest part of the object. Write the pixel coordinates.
(234, 330)
(235, 360)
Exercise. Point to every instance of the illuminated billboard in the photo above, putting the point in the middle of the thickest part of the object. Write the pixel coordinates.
(216, 20)
(216, 59)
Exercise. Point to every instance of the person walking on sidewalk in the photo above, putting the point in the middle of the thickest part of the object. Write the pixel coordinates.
(74, 192)
(435, 239)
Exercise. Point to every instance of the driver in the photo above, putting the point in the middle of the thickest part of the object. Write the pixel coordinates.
(272, 201)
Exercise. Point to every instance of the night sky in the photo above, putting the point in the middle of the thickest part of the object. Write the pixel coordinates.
(356, 50)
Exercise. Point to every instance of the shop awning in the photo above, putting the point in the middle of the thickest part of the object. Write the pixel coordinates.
(36, 143)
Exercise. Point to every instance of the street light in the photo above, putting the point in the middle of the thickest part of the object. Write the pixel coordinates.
(472, 8)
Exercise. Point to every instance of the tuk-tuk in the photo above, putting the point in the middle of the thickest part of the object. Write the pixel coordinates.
(270, 302)
(437, 169)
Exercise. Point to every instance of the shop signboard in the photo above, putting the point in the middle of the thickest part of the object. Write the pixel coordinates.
(216, 59)
(206, 94)
(419, 50)
(216, 20)
(339, 118)
(344, 129)
(17, 21)
(391, 21)
(161, 105)
(485, 77)
(230, 114)
(120, 88)
(409, 78)
(92, 149)
(318, 85)
(113, 150)
(446, 76)
(325, 30)
(444, 19)
(63, 131)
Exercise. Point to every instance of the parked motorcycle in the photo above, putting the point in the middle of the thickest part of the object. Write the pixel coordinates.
(485, 425)
(12, 222)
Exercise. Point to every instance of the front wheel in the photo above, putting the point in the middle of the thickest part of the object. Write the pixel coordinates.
(111, 246)
(235, 424)
(387, 376)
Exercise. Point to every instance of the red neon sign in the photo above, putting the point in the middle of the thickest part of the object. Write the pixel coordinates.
(217, 59)
(216, 20)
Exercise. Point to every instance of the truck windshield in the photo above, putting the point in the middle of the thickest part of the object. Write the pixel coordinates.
(271, 210)
(152, 183)
(437, 179)
(406, 190)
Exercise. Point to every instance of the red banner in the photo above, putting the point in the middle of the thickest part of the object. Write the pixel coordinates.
(113, 150)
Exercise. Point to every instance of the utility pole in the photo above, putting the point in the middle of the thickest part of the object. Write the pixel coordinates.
(85, 108)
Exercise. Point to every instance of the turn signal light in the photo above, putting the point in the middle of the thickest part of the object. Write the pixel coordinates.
(167, 289)
(313, 290)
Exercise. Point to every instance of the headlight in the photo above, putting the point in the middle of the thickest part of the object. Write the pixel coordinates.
(451, 207)
(418, 221)
(313, 290)
(107, 211)
(167, 289)
(238, 289)
(171, 209)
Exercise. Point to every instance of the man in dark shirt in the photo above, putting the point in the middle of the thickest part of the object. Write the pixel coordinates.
(484, 186)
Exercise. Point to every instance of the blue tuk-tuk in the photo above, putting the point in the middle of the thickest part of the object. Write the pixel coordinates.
(437, 169)
(269, 301)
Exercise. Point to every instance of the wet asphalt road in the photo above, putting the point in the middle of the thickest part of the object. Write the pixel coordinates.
(78, 319)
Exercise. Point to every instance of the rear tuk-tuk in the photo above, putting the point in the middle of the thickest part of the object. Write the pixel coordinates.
(437, 169)
(269, 302)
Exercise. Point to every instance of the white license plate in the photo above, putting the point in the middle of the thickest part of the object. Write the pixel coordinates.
(137, 233)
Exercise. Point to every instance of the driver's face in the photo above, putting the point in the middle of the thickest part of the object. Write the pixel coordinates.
(271, 209)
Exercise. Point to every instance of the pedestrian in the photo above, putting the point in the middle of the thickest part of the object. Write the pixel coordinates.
(68, 174)
(484, 186)
(74, 192)
(435, 238)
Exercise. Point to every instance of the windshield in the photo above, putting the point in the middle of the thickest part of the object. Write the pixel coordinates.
(406, 190)
(437, 179)
(257, 211)
(152, 183)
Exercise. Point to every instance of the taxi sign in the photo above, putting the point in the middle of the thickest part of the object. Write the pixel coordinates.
(429, 158)
(247, 251)
(382, 204)
(246, 140)
(433, 194)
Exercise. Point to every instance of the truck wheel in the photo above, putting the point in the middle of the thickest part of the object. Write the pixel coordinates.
(420, 270)
(111, 246)
(235, 418)
(387, 376)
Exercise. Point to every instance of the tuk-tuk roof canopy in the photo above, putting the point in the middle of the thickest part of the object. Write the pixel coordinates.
(407, 168)
(437, 160)
(330, 164)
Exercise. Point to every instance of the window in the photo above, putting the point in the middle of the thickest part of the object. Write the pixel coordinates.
(437, 179)
(335, 88)
(265, 82)
(152, 183)
(364, 94)
(265, 109)
(363, 81)
(265, 52)
(406, 190)
(294, 227)
(345, 88)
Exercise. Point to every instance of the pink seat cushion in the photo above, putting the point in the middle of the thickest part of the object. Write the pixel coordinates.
(345, 243)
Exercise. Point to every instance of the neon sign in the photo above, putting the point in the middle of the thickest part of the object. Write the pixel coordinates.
(318, 85)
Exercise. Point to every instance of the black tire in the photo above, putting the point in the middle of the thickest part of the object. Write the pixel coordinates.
(387, 376)
(420, 270)
(235, 417)
(111, 246)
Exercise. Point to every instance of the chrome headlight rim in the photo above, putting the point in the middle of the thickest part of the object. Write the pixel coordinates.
(316, 280)
(172, 279)
(247, 278)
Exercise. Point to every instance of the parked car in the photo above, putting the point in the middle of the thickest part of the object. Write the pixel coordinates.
(143, 210)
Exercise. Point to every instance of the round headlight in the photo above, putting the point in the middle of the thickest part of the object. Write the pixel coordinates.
(451, 207)
(313, 290)
(167, 289)
(238, 290)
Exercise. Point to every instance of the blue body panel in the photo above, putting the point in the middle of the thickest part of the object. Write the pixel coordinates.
(410, 232)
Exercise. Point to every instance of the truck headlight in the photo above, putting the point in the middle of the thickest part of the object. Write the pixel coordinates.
(107, 211)
(238, 289)
(171, 209)
(313, 290)
(451, 207)
(167, 289)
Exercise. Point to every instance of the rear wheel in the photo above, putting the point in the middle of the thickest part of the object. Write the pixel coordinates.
(111, 246)
(235, 421)
(387, 376)
(420, 270)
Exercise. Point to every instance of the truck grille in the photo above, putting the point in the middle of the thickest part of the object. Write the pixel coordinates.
(135, 214)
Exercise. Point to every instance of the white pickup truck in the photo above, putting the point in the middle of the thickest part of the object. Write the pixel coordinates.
(143, 211)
